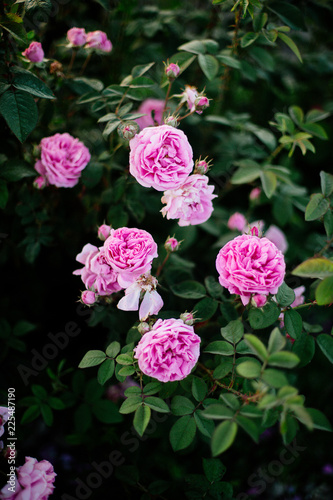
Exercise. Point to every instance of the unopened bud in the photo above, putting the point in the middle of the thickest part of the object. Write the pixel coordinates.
(88, 297)
(56, 68)
(171, 244)
(143, 328)
(172, 70)
(201, 103)
(40, 182)
(128, 130)
(254, 231)
(255, 193)
(258, 300)
(202, 166)
(188, 318)
(171, 120)
(103, 232)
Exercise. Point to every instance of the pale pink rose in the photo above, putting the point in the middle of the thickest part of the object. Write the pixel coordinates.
(62, 160)
(96, 274)
(130, 252)
(3, 418)
(34, 481)
(299, 300)
(34, 52)
(161, 157)
(237, 221)
(147, 106)
(77, 36)
(172, 70)
(255, 193)
(250, 265)
(258, 300)
(171, 244)
(191, 203)
(98, 40)
(143, 288)
(103, 232)
(275, 235)
(190, 94)
(88, 298)
(169, 351)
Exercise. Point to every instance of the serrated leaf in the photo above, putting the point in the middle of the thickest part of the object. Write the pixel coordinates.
(92, 358)
(152, 388)
(324, 291)
(189, 290)
(182, 433)
(229, 61)
(206, 427)
(205, 309)
(28, 82)
(157, 404)
(233, 332)
(248, 39)
(283, 359)
(220, 347)
(325, 343)
(317, 207)
(195, 47)
(274, 378)
(304, 348)
(209, 65)
(180, 405)
(314, 268)
(276, 341)
(130, 404)
(141, 419)
(231, 400)
(199, 388)
(113, 349)
(269, 182)
(223, 437)
(245, 175)
(218, 412)
(256, 346)
(326, 181)
(249, 369)
(105, 371)
(293, 323)
(265, 316)
(249, 427)
(20, 112)
(15, 170)
(106, 411)
(320, 421)
(285, 295)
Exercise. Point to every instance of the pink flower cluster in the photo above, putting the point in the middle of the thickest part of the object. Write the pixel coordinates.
(92, 40)
(195, 101)
(34, 52)
(34, 481)
(250, 265)
(62, 160)
(169, 351)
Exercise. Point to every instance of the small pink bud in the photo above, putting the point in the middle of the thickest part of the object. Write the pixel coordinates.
(237, 221)
(103, 232)
(40, 182)
(88, 298)
(255, 193)
(202, 166)
(143, 328)
(171, 120)
(258, 300)
(171, 244)
(290, 338)
(172, 70)
(254, 231)
(128, 130)
(201, 103)
(34, 52)
(188, 318)
(77, 37)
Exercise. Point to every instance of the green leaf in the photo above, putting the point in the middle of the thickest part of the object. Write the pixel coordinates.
(15, 29)
(326, 181)
(30, 414)
(113, 349)
(249, 427)
(130, 404)
(319, 420)
(4, 194)
(248, 39)
(259, 21)
(141, 419)
(229, 61)
(92, 358)
(152, 388)
(285, 295)
(47, 414)
(276, 341)
(245, 175)
(180, 405)
(304, 348)
(233, 332)
(182, 433)
(107, 412)
(141, 69)
(223, 437)
(317, 207)
(269, 182)
(15, 170)
(289, 14)
(274, 378)
(206, 427)
(31, 5)
(314, 268)
(265, 316)
(189, 290)
(325, 343)
(220, 347)
(195, 47)
(39, 391)
(328, 223)
(56, 403)
(257, 346)
(249, 369)
(126, 371)
(157, 404)
(125, 359)
(214, 469)
(105, 371)
(218, 412)
(199, 388)
(231, 400)
(283, 359)
(324, 291)
(28, 82)
(20, 112)
(213, 287)
(293, 323)
(291, 44)
(205, 309)
(209, 65)
(316, 130)
(223, 368)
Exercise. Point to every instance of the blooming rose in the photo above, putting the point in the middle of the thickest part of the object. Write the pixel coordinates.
(147, 106)
(145, 287)
(237, 221)
(98, 40)
(34, 52)
(96, 274)
(250, 265)
(168, 351)
(191, 203)
(77, 36)
(160, 157)
(129, 251)
(62, 159)
(34, 481)
(275, 235)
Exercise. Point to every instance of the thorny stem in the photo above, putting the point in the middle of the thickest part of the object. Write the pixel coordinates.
(166, 99)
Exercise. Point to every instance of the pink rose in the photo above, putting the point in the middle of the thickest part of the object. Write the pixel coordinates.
(190, 94)
(202, 166)
(98, 40)
(34, 52)
(62, 160)
(143, 288)
(275, 235)
(168, 351)
(171, 244)
(160, 157)
(237, 221)
(201, 103)
(103, 232)
(147, 106)
(191, 202)
(77, 36)
(258, 300)
(34, 481)
(40, 182)
(88, 298)
(130, 252)
(96, 274)
(250, 265)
